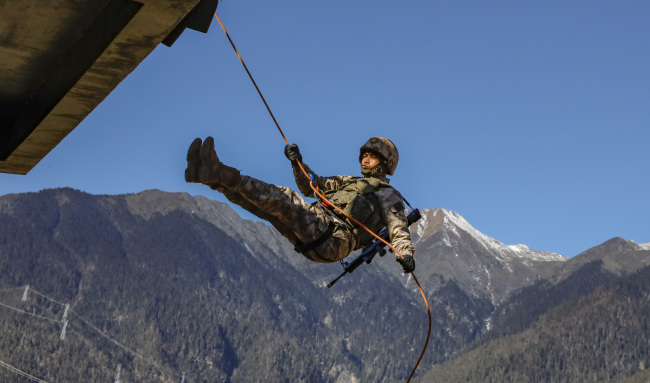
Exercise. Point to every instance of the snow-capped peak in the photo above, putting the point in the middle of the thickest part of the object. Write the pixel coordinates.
(453, 222)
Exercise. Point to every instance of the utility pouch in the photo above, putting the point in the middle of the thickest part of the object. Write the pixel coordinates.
(356, 199)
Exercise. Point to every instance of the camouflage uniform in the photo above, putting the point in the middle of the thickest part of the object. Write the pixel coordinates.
(302, 223)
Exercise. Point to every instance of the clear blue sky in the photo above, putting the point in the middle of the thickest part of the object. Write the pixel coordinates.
(530, 119)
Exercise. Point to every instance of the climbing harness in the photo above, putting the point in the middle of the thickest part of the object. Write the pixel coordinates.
(369, 252)
(314, 185)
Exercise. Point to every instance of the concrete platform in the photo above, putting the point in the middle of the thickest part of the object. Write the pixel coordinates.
(59, 59)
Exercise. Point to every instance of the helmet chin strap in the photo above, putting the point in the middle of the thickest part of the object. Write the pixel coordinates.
(371, 172)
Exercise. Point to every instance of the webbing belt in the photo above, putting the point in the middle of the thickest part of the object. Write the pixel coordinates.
(302, 248)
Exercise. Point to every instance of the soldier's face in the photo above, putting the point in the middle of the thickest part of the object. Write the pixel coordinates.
(369, 161)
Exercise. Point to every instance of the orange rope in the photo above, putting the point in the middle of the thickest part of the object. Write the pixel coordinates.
(251, 77)
(323, 198)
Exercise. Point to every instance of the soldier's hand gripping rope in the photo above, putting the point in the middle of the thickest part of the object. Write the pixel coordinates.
(293, 153)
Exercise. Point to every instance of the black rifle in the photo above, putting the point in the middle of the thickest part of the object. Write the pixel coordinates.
(369, 252)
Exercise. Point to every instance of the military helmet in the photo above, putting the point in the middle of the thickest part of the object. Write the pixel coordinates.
(384, 148)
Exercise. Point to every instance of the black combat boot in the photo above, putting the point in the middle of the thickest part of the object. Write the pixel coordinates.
(213, 172)
(193, 161)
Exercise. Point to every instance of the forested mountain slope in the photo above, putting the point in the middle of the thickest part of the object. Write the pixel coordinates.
(164, 284)
(601, 337)
(160, 287)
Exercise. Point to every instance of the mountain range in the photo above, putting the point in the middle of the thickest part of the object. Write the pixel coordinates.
(169, 287)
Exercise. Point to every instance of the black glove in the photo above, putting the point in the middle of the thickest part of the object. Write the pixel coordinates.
(407, 262)
(293, 153)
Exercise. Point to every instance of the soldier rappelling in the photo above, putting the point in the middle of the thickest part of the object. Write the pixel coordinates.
(317, 230)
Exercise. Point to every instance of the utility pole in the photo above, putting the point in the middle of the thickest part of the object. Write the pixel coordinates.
(117, 374)
(65, 326)
(25, 293)
(65, 313)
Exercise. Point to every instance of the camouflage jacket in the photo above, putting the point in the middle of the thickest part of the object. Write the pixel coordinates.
(390, 201)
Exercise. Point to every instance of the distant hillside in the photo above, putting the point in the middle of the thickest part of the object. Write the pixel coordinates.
(618, 256)
(579, 276)
(601, 337)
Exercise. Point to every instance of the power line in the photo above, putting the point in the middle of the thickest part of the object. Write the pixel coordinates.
(65, 322)
(46, 297)
(103, 334)
(118, 344)
(28, 313)
(10, 288)
(19, 372)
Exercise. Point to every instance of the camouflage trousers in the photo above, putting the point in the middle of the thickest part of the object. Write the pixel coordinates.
(296, 219)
